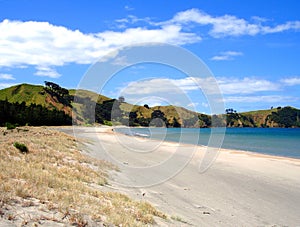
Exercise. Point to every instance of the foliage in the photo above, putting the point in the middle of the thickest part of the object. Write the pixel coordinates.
(121, 99)
(230, 111)
(158, 119)
(286, 117)
(62, 94)
(21, 147)
(24, 93)
(10, 126)
(35, 115)
(175, 123)
(204, 120)
(36, 105)
(239, 120)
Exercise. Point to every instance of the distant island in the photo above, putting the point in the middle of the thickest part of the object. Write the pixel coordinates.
(35, 105)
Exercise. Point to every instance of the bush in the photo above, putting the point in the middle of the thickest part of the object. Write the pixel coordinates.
(108, 123)
(21, 147)
(10, 126)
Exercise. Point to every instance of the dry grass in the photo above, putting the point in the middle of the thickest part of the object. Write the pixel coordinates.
(61, 179)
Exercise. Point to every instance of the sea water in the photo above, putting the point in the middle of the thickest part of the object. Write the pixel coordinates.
(273, 141)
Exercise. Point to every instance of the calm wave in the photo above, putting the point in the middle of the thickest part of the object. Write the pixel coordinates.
(274, 141)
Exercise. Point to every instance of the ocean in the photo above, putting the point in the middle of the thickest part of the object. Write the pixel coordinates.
(272, 141)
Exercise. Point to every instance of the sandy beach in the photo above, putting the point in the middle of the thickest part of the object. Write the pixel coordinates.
(239, 189)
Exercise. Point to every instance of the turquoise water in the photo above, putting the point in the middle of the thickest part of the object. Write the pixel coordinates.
(273, 141)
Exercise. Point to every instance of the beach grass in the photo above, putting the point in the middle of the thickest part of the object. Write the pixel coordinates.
(54, 177)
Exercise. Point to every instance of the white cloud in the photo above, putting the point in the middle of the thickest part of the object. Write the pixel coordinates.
(193, 104)
(128, 8)
(263, 99)
(155, 86)
(290, 25)
(6, 85)
(246, 85)
(259, 19)
(131, 19)
(229, 25)
(176, 91)
(292, 81)
(46, 71)
(155, 91)
(5, 76)
(225, 56)
(228, 86)
(41, 43)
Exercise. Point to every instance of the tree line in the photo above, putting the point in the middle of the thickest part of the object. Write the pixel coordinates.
(35, 115)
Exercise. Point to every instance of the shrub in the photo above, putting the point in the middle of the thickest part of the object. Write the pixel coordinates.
(21, 147)
(108, 123)
(10, 126)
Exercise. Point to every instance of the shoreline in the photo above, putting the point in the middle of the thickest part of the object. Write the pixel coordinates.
(240, 189)
(231, 150)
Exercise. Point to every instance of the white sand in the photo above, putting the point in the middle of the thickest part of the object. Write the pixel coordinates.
(240, 188)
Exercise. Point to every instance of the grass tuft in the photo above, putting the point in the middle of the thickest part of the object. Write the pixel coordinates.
(21, 147)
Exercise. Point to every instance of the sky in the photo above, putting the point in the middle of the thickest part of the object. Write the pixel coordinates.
(252, 48)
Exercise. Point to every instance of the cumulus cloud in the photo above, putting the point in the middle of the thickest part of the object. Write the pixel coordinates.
(228, 86)
(41, 43)
(6, 85)
(229, 25)
(46, 71)
(4, 76)
(177, 91)
(246, 85)
(292, 81)
(225, 56)
(150, 86)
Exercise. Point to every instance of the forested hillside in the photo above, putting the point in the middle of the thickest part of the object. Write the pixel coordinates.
(55, 105)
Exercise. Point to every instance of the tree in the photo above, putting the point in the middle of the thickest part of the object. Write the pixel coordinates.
(176, 123)
(121, 99)
(20, 114)
(204, 120)
(158, 119)
(146, 106)
(230, 111)
(133, 119)
(61, 93)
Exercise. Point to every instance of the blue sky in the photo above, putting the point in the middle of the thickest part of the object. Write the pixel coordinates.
(251, 47)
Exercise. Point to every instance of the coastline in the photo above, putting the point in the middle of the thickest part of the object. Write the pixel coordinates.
(231, 150)
(241, 188)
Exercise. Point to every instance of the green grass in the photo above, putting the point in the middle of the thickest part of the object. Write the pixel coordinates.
(21, 147)
(35, 94)
(84, 93)
(260, 112)
(24, 92)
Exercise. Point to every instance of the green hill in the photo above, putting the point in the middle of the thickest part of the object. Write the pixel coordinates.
(24, 93)
(89, 107)
(37, 94)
